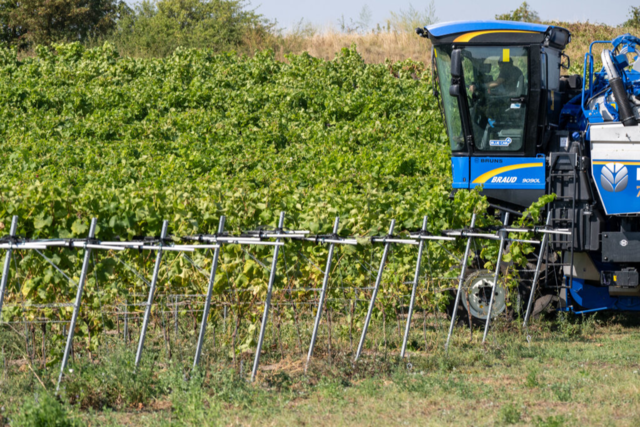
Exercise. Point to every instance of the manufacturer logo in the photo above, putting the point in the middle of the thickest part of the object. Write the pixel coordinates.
(624, 243)
(500, 142)
(614, 177)
(504, 179)
(490, 160)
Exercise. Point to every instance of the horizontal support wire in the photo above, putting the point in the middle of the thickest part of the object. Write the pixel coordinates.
(35, 322)
(190, 302)
(52, 305)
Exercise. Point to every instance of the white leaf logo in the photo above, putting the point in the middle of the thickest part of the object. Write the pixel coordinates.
(614, 177)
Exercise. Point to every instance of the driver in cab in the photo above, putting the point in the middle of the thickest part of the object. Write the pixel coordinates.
(507, 81)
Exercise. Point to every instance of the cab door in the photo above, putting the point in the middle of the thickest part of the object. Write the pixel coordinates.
(497, 83)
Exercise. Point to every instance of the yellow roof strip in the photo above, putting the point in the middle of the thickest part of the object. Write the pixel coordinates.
(465, 38)
(487, 175)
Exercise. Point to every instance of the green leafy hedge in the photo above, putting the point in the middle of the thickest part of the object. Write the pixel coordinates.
(197, 135)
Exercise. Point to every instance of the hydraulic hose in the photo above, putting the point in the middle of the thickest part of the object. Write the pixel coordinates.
(625, 110)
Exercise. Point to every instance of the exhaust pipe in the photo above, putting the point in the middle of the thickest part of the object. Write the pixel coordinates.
(617, 87)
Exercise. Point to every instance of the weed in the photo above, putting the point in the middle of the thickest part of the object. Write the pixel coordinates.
(190, 403)
(370, 387)
(280, 381)
(332, 388)
(550, 421)
(532, 378)
(114, 383)
(417, 383)
(459, 386)
(509, 414)
(562, 392)
(228, 387)
(44, 410)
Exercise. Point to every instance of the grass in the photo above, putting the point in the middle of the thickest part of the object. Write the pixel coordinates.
(375, 48)
(573, 372)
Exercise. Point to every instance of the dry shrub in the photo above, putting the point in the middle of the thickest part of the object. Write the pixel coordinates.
(376, 47)
(373, 47)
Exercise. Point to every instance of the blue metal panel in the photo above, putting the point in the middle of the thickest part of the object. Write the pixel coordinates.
(460, 172)
(509, 173)
(617, 182)
(447, 28)
(597, 297)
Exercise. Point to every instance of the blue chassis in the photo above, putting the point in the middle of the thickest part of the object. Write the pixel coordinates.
(591, 298)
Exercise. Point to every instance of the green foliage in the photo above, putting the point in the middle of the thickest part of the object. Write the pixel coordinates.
(51, 21)
(523, 13)
(197, 135)
(111, 384)
(44, 410)
(634, 17)
(157, 28)
(530, 218)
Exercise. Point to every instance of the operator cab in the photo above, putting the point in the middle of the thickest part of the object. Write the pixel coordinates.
(499, 85)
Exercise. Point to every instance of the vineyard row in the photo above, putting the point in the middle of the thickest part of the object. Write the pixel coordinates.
(267, 237)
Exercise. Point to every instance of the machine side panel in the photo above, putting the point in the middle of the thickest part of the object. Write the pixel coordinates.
(509, 173)
(599, 297)
(615, 164)
(622, 246)
(460, 172)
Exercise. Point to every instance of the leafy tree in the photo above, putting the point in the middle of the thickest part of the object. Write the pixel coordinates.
(523, 13)
(157, 28)
(7, 32)
(634, 17)
(50, 21)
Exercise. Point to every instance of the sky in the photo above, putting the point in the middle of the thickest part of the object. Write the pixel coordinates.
(324, 13)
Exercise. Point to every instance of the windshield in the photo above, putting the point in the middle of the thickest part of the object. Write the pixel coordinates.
(497, 82)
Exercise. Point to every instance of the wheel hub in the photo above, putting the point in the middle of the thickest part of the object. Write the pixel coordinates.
(478, 293)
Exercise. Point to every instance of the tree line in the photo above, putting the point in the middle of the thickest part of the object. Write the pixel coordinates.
(153, 27)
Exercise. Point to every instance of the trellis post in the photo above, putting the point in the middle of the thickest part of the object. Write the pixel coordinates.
(267, 303)
(76, 306)
(7, 262)
(152, 289)
(207, 304)
(323, 293)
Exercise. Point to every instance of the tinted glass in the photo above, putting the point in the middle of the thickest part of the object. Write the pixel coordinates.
(449, 103)
(497, 82)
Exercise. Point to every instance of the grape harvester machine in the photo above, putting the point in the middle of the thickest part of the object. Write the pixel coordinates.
(521, 128)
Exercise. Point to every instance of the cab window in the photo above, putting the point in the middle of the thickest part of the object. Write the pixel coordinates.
(497, 87)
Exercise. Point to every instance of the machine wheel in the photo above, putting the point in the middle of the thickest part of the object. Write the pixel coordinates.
(476, 292)
(544, 304)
